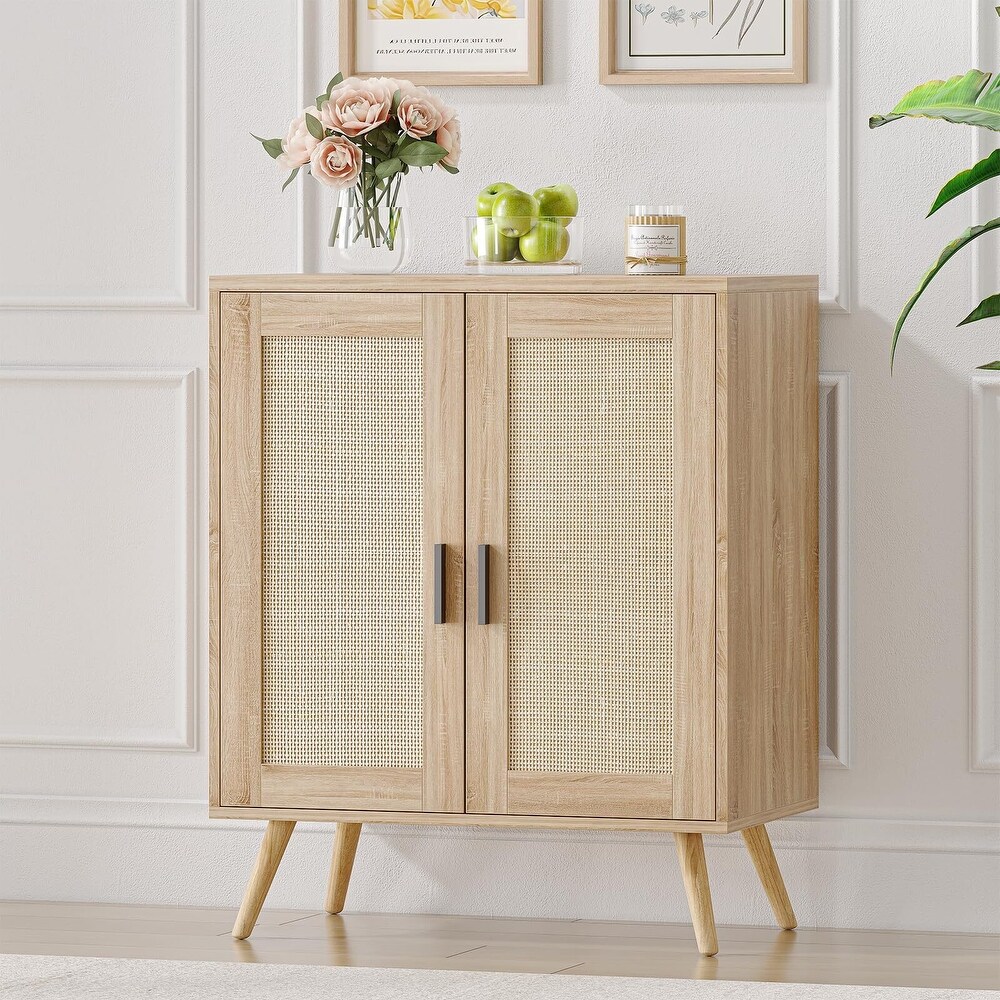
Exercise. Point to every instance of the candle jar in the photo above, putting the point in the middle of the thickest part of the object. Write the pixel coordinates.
(656, 240)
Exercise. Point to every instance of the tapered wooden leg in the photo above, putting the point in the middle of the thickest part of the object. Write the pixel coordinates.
(762, 854)
(268, 858)
(345, 846)
(691, 852)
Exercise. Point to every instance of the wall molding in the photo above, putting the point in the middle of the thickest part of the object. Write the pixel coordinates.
(984, 688)
(799, 833)
(835, 569)
(835, 296)
(185, 297)
(184, 383)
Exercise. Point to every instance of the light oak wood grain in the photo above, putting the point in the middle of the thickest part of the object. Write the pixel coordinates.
(443, 329)
(691, 854)
(240, 547)
(694, 557)
(329, 314)
(607, 795)
(581, 315)
(611, 74)
(272, 849)
(345, 846)
(317, 787)
(762, 854)
(350, 65)
(486, 524)
(767, 555)
(214, 515)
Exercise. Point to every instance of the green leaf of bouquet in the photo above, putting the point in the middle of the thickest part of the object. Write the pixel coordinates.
(986, 309)
(450, 168)
(315, 127)
(993, 366)
(949, 251)
(291, 177)
(396, 98)
(388, 167)
(422, 154)
(321, 100)
(403, 139)
(272, 146)
(984, 170)
(973, 99)
(335, 82)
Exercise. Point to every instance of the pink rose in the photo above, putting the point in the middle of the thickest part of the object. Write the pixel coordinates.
(336, 162)
(357, 106)
(298, 145)
(420, 115)
(449, 135)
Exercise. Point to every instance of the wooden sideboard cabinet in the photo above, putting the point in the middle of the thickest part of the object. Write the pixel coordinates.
(514, 552)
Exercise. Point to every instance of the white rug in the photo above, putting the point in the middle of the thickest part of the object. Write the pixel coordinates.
(44, 977)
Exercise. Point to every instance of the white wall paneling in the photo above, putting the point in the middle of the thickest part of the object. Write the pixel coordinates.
(97, 558)
(985, 544)
(835, 570)
(104, 216)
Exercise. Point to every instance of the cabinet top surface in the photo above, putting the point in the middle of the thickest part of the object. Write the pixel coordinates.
(578, 283)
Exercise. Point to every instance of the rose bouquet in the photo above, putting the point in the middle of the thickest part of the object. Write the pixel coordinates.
(361, 137)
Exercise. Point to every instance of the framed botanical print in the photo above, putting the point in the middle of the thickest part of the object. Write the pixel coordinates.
(441, 42)
(713, 41)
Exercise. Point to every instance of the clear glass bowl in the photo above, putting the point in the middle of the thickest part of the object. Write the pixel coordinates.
(550, 246)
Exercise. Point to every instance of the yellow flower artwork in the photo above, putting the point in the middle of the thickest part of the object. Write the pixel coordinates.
(424, 10)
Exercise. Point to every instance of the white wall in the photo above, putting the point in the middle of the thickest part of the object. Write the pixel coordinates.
(129, 175)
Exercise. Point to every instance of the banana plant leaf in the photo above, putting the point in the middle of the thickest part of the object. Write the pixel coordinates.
(949, 251)
(984, 170)
(986, 309)
(993, 366)
(973, 99)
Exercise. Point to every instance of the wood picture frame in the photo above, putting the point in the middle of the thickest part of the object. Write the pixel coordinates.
(613, 74)
(352, 65)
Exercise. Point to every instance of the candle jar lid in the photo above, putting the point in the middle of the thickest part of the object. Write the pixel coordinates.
(657, 210)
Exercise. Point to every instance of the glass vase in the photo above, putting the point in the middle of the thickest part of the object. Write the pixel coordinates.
(368, 235)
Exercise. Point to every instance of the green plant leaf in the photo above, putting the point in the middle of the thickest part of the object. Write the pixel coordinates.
(404, 140)
(315, 127)
(984, 170)
(450, 168)
(396, 98)
(949, 251)
(291, 177)
(335, 82)
(272, 146)
(321, 100)
(986, 309)
(993, 366)
(973, 99)
(388, 167)
(422, 154)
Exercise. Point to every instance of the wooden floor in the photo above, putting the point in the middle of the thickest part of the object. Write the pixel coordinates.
(592, 948)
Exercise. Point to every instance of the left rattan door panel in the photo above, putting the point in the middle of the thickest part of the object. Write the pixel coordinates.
(341, 514)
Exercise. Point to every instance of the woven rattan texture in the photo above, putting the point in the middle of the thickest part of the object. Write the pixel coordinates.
(590, 540)
(342, 495)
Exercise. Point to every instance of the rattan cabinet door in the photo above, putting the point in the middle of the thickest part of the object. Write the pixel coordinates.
(590, 594)
(341, 499)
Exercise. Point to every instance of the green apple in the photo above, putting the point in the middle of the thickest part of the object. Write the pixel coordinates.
(515, 212)
(547, 243)
(558, 201)
(489, 244)
(488, 195)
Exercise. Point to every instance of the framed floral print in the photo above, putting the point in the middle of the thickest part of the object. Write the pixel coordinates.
(703, 41)
(440, 42)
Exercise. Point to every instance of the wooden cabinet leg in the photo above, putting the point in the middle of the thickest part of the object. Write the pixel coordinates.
(268, 858)
(762, 854)
(691, 852)
(345, 846)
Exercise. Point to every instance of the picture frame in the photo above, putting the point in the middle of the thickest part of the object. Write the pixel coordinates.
(668, 50)
(364, 40)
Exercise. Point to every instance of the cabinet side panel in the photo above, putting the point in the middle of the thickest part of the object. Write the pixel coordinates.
(214, 319)
(694, 557)
(240, 550)
(486, 524)
(772, 551)
(444, 524)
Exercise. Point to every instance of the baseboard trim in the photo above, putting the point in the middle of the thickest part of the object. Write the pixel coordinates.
(799, 833)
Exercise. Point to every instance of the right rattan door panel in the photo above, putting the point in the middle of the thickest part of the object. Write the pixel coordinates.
(590, 493)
